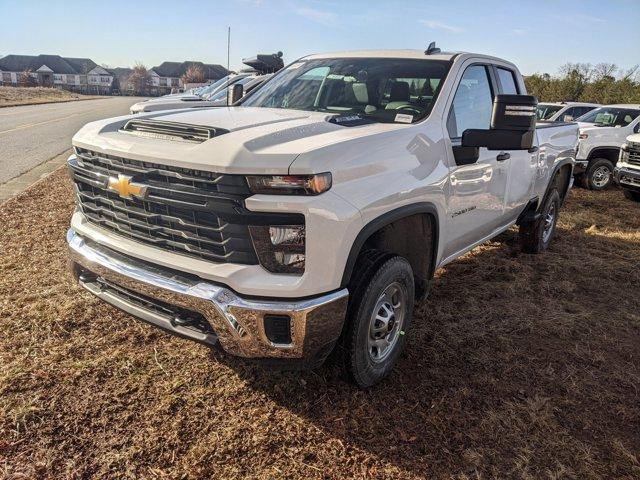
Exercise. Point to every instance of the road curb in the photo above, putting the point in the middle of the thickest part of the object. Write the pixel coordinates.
(19, 184)
(71, 100)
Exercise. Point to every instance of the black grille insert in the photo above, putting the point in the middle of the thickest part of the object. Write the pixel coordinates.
(191, 212)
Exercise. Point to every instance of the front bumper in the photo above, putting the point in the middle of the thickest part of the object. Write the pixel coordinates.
(193, 308)
(627, 178)
(580, 166)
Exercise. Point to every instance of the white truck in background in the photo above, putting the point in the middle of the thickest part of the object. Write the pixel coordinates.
(562, 111)
(310, 218)
(602, 133)
(261, 68)
(627, 171)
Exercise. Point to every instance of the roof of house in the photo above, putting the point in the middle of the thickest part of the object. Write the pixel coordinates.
(81, 65)
(177, 69)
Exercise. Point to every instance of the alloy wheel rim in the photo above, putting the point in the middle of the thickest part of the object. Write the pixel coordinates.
(387, 320)
(549, 221)
(601, 176)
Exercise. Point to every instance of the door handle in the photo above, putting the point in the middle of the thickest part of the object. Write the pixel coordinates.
(503, 156)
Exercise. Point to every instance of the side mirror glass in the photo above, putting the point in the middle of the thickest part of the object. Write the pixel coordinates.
(636, 129)
(234, 93)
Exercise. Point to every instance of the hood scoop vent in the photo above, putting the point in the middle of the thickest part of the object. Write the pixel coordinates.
(172, 130)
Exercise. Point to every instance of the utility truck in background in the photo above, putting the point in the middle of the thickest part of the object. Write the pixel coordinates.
(627, 171)
(602, 133)
(310, 217)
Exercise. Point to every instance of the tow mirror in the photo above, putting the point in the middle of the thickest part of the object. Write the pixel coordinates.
(513, 121)
(234, 93)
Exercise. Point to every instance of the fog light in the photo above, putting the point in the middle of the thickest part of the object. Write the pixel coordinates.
(280, 249)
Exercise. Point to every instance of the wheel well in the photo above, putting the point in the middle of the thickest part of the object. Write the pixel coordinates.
(610, 154)
(413, 237)
(561, 181)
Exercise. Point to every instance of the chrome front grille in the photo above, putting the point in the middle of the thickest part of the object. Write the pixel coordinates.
(633, 155)
(191, 212)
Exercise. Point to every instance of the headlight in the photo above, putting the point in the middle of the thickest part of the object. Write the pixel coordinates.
(280, 249)
(582, 136)
(290, 184)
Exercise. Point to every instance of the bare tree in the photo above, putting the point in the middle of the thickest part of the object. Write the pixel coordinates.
(140, 79)
(194, 74)
(25, 79)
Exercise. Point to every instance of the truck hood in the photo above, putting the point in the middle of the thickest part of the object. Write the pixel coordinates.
(259, 140)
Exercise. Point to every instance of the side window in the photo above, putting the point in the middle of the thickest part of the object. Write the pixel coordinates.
(569, 112)
(507, 81)
(472, 102)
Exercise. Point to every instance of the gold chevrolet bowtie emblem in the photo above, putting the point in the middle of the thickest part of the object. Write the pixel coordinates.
(125, 188)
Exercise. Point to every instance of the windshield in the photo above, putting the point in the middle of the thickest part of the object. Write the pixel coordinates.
(544, 111)
(211, 88)
(610, 116)
(385, 89)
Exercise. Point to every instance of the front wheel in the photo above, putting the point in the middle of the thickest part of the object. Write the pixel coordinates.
(535, 237)
(599, 174)
(380, 312)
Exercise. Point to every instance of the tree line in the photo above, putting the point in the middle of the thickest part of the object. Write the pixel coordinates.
(603, 83)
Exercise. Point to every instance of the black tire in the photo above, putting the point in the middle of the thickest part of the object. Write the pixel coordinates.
(535, 237)
(377, 274)
(594, 179)
(631, 195)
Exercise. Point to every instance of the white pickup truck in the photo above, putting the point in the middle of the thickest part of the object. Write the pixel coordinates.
(310, 218)
(627, 170)
(563, 111)
(602, 133)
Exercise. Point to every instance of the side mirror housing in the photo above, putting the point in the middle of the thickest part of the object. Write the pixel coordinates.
(513, 121)
(234, 93)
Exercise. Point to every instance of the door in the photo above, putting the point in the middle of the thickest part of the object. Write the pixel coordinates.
(522, 163)
(475, 205)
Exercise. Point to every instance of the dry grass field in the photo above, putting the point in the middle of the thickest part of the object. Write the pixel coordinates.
(516, 366)
(13, 96)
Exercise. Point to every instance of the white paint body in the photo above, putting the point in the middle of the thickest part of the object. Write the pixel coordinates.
(604, 137)
(376, 168)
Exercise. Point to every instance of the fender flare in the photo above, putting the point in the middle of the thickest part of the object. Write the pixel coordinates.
(555, 170)
(384, 220)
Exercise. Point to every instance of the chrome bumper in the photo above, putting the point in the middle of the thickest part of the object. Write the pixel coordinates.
(627, 178)
(237, 324)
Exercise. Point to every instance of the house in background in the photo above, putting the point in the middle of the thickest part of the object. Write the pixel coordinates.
(167, 76)
(81, 75)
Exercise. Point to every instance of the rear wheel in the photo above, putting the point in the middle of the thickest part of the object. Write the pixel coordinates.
(380, 311)
(536, 236)
(631, 195)
(599, 174)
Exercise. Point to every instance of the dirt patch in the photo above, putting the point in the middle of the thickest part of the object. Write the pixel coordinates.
(517, 366)
(14, 96)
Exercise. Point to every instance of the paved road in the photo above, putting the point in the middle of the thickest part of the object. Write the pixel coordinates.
(33, 134)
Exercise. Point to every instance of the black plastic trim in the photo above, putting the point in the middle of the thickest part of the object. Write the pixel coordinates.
(384, 220)
(555, 170)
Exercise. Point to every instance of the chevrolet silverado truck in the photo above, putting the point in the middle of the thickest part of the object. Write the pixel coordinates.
(627, 170)
(310, 218)
(602, 133)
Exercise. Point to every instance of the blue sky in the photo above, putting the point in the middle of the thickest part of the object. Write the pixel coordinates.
(538, 36)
